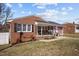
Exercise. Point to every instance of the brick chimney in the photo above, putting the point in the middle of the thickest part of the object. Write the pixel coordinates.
(73, 22)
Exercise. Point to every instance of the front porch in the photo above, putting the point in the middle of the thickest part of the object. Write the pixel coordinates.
(47, 30)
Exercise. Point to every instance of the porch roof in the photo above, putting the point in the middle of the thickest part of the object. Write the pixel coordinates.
(47, 23)
(77, 25)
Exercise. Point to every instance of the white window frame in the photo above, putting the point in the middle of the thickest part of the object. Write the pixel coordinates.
(21, 28)
(30, 28)
(26, 28)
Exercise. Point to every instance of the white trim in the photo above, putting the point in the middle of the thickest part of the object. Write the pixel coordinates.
(30, 27)
(19, 30)
(41, 30)
(36, 23)
(26, 28)
(76, 30)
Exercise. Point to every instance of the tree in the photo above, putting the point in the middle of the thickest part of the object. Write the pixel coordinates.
(2, 7)
(5, 13)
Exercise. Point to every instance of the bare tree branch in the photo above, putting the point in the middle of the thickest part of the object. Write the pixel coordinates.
(5, 13)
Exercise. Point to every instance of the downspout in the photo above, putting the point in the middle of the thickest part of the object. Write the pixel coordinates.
(10, 34)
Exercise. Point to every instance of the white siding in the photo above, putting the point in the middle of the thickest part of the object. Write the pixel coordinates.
(4, 38)
(77, 30)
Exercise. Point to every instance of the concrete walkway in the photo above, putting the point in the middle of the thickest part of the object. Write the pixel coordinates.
(49, 40)
(57, 38)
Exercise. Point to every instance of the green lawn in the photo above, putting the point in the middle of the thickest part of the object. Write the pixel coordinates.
(35, 48)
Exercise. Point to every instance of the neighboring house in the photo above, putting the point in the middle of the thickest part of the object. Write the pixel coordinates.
(31, 28)
(77, 28)
(70, 28)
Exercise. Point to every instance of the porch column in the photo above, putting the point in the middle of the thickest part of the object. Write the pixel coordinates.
(75, 28)
(56, 29)
(41, 30)
(52, 29)
(36, 30)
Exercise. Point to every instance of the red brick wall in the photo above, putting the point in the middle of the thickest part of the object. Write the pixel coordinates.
(15, 36)
(69, 28)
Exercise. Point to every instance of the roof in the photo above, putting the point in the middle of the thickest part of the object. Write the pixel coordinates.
(77, 25)
(54, 23)
(33, 17)
(41, 20)
(36, 18)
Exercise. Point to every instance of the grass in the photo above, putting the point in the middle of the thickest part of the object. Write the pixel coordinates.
(65, 47)
(4, 46)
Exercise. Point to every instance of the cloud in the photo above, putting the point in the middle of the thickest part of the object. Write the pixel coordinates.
(63, 9)
(48, 14)
(9, 5)
(55, 4)
(20, 5)
(26, 12)
(67, 9)
(53, 15)
(53, 11)
(22, 12)
(29, 13)
(13, 10)
(64, 13)
(40, 5)
(70, 8)
(43, 5)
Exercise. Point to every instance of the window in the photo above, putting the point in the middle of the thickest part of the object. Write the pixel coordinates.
(23, 28)
(29, 28)
(18, 27)
(39, 30)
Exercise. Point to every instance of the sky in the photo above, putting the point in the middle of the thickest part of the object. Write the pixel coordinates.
(56, 12)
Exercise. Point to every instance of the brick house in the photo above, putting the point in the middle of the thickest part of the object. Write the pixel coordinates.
(70, 28)
(76, 28)
(31, 28)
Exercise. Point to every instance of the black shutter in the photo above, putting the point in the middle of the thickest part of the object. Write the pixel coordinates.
(32, 28)
(15, 29)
